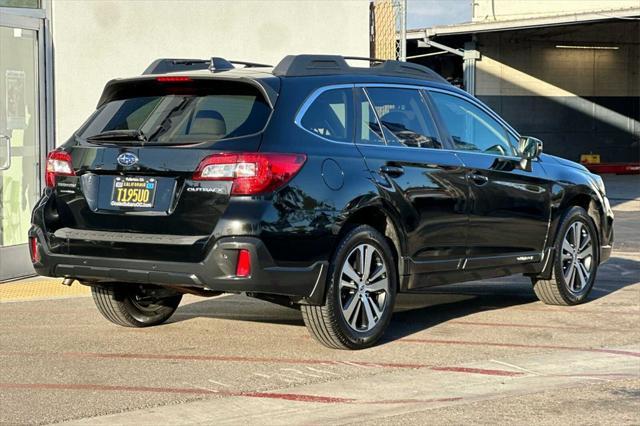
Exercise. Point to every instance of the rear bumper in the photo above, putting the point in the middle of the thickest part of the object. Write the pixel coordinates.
(215, 272)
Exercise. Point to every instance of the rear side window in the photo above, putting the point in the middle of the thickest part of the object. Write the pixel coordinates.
(369, 130)
(330, 115)
(404, 116)
(185, 113)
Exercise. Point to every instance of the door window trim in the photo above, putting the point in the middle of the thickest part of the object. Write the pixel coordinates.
(430, 104)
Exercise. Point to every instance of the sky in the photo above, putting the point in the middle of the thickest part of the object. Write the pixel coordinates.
(429, 13)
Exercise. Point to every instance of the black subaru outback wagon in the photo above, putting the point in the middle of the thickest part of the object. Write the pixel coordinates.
(314, 184)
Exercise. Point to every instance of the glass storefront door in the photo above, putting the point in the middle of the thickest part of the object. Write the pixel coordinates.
(20, 142)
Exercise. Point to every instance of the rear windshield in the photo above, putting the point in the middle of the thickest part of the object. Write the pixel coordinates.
(182, 112)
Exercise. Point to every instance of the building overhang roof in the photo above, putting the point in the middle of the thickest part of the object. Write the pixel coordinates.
(519, 24)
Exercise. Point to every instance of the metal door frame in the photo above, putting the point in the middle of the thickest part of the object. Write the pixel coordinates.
(36, 20)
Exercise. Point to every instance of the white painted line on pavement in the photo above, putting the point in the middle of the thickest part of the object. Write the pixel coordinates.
(506, 364)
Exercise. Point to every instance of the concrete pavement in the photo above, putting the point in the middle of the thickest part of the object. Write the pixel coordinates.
(485, 352)
(398, 393)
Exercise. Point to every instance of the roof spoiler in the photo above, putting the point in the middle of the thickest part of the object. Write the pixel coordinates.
(314, 65)
(166, 65)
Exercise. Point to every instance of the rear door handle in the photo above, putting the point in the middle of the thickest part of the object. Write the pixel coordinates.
(393, 171)
(478, 179)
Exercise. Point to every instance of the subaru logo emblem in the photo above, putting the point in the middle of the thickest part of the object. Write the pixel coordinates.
(127, 159)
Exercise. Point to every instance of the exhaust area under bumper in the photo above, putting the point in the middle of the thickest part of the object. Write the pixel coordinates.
(215, 273)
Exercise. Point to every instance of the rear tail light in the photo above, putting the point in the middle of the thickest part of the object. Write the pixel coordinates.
(251, 173)
(35, 253)
(59, 163)
(243, 267)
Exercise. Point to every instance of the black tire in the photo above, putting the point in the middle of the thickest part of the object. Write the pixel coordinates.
(557, 290)
(120, 304)
(327, 323)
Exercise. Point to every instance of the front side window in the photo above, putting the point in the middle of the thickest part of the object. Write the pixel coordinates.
(471, 128)
(330, 115)
(404, 117)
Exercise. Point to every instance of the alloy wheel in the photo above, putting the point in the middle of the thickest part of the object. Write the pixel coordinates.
(577, 257)
(364, 287)
(145, 300)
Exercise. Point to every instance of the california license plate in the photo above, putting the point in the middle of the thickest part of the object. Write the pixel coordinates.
(133, 191)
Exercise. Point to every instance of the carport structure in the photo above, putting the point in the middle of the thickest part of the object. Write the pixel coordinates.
(572, 80)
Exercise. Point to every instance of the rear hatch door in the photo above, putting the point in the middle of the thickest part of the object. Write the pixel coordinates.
(134, 161)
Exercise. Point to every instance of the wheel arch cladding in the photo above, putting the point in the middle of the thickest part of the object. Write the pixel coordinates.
(591, 205)
(379, 219)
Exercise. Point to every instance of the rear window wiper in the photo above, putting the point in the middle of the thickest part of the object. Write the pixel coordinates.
(119, 135)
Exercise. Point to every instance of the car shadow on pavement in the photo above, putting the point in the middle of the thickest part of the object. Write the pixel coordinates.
(614, 275)
(417, 312)
(442, 307)
(239, 308)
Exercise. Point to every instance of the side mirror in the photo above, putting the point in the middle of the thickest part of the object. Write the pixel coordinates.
(529, 147)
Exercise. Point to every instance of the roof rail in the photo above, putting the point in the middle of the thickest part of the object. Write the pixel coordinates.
(362, 58)
(165, 65)
(251, 64)
(221, 64)
(313, 65)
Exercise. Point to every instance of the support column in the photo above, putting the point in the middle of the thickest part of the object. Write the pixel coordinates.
(469, 66)
(402, 5)
(469, 56)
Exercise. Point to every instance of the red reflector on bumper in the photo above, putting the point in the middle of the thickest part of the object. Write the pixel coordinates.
(243, 267)
(33, 248)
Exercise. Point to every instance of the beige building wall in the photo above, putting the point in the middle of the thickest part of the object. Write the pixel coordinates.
(492, 10)
(95, 41)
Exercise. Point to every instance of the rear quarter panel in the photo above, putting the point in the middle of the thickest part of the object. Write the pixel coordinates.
(304, 219)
